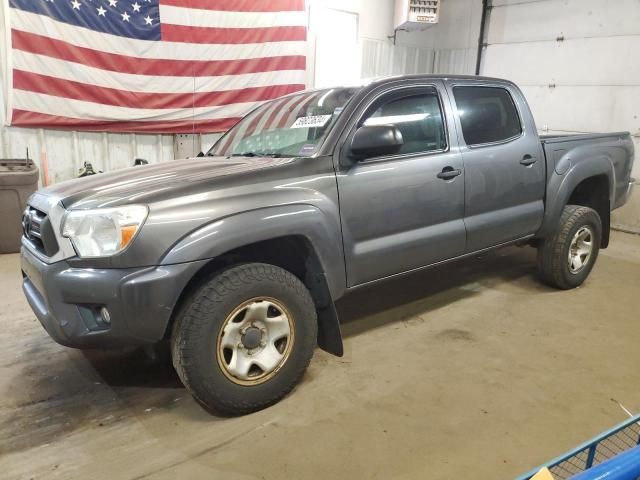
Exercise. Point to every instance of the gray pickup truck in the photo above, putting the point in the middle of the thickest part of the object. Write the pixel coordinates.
(237, 257)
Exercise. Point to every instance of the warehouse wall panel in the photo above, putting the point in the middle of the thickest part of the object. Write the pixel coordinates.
(577, 63)
(66, 152)
(447, 47)
(603, 61)
(525, 20)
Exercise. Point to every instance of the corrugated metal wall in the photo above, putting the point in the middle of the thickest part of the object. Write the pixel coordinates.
(381, 57)
(578, 63)
(67, 151)
(448, 47)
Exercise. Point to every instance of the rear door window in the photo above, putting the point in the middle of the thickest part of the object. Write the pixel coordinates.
(487, 114)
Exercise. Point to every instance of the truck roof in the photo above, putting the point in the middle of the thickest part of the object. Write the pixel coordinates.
(375, 81)
(432, 76)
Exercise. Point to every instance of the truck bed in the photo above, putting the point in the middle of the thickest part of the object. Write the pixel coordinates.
(563, 152)
(560, 138)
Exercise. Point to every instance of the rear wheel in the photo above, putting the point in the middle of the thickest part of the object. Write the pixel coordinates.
(566, 259)
(245, 338)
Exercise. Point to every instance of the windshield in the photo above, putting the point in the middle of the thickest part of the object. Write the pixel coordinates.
(293, 126)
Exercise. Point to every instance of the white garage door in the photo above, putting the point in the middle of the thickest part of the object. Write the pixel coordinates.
(578, 63)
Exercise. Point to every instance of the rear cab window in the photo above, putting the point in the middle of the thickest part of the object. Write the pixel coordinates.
(487, 114)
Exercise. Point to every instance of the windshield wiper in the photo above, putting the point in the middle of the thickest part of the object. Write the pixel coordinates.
(244, 154)
(257, 154)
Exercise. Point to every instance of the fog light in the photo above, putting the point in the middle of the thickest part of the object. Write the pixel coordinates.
(106, 316)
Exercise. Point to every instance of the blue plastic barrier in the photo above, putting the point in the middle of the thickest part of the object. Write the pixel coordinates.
(625, 466)
(598, 454)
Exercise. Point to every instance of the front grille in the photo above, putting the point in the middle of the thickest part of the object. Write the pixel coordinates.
(37, 229)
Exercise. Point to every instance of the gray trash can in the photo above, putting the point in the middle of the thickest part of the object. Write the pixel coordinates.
(18, 180)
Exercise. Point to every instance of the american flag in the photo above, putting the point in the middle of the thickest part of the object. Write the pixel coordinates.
(162, 66)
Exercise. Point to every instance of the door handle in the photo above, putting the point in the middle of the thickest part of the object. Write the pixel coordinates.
(448, 173)
(527, 160)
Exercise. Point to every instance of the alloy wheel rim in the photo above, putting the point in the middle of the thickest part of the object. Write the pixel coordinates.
(580, 249)
(255, 341)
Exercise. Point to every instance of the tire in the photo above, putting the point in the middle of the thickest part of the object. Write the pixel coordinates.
(204, 334)
(553, 254)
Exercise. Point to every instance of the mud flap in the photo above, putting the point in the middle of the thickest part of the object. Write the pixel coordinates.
(329, 335)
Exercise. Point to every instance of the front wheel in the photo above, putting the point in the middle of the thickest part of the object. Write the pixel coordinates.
(566, 259)
(245, 338)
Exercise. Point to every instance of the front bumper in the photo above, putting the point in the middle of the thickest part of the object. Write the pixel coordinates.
(67, 301)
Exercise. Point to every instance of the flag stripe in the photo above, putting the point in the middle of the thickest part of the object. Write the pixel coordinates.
(34, 82)
(29, 42)
(270, 119)
(44, 65)
(238, 133)
(43, 103)
(262, 118)
(239, 5)
(40, 120)
(221, 36)
(230, 138)
(259, 121)
(214, 18)
(154, 65)
(285, 110)
(295, 109)
(144, 49)
(276, 116)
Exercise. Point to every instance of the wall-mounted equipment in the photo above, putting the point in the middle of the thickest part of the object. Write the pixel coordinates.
(416, 14)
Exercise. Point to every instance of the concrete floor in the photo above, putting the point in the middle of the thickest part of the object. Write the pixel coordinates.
(473, 370)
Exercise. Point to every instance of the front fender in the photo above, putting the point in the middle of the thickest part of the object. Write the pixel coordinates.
(238, 230)
(561, 186)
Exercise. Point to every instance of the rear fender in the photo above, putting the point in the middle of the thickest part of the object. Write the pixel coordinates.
(561, 186)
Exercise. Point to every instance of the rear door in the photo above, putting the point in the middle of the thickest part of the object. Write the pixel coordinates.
(503, 161)
(400, 212)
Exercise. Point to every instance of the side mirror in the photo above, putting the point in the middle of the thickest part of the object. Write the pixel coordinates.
(375, 140)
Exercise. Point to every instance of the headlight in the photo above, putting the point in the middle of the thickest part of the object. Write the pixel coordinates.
(103, 231)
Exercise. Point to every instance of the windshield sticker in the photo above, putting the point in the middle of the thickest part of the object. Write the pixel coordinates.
(307, 148)
(314, 121)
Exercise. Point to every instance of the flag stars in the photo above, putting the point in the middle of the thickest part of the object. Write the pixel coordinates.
(138, 18)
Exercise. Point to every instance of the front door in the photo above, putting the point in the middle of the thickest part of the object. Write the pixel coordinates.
(504, 164)
(400, 212)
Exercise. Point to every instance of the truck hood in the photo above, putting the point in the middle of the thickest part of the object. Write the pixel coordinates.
(140, 184)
